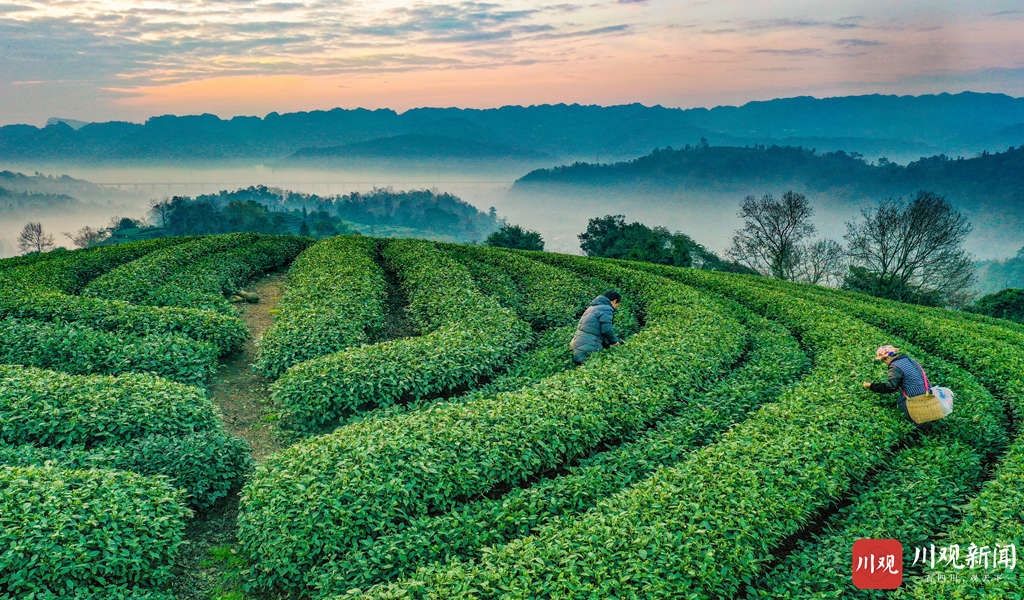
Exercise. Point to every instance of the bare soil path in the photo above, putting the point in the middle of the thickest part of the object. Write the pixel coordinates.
(207, 560)
(242, 395)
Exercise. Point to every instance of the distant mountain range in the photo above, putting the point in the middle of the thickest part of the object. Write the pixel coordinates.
(991, 180)
(899, 127)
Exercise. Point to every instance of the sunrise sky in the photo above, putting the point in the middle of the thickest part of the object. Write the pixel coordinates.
(107, 60)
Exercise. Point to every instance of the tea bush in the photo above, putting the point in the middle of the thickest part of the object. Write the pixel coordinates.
(77, 349)
(86, 533)
(467, 335)
(48, 408)
(774, 360)
(334, 298)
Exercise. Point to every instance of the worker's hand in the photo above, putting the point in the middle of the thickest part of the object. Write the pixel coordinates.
(867, 385)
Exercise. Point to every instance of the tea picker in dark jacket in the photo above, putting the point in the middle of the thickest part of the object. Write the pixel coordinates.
(905, 376)
(595, 331)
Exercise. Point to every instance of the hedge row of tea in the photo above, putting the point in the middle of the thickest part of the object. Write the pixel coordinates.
(693, 461)
(105, 521)
(996, 355)
(543, 295)
(70, 271)
(197, 274)
(703, 526)
(334, 298)
(531, 289)
(466, 335)
(916, 499)
(96, 533)
(105, 449)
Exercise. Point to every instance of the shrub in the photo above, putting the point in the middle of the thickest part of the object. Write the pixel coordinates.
(80, 350)
(334, 299)
(49, 408)
(73, 533)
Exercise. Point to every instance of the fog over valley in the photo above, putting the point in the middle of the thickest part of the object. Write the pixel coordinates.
(558, 212)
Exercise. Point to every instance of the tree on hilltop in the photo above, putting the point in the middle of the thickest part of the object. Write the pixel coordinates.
(911, 251)
(771, 238)
(514, 236)
(33, 239)
(87, 237)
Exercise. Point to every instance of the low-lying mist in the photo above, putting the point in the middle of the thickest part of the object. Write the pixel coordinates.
(559, 214)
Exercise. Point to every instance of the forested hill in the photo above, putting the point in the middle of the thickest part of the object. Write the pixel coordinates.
(986, 180)
(423, 212)
(56, 185)
(900, 127)
(32, 202)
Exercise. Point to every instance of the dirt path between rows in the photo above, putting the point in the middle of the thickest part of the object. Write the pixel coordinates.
(208, 558)
(242, 395)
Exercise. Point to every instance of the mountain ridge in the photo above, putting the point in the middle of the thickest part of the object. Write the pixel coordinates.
(900, 127)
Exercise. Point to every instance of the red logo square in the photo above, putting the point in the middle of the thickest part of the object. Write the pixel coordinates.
(877, 564)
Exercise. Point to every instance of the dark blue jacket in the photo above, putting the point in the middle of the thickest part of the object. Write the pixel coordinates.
(595, 330)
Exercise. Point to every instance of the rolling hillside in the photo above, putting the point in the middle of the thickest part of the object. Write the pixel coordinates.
(420, 430)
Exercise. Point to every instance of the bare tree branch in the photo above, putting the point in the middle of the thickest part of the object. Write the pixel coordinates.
(770, 240)
(916, 245)
(33, 239)
(823, 263)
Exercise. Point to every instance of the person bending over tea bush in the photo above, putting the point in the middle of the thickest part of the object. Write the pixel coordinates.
(919, 401)
(595, 331)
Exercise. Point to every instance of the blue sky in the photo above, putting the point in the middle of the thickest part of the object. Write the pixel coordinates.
(102, 60)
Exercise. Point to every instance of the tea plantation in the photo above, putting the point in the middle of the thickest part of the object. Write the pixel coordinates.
(436, 440)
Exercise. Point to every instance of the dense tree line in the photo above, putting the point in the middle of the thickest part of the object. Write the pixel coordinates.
(611, 236)
(424, 212)
(187, 216)
(908, 250)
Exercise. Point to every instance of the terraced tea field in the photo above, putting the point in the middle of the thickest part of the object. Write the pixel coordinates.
(431, 438)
